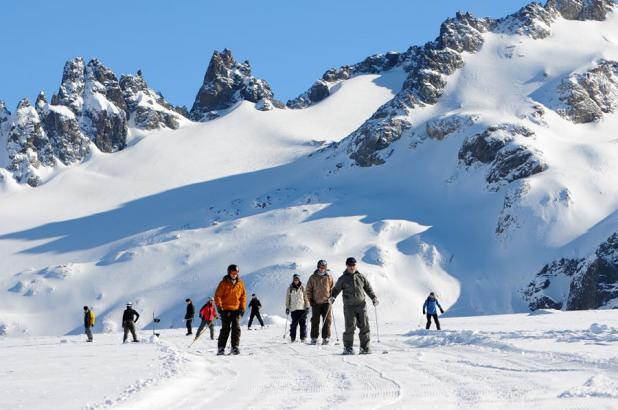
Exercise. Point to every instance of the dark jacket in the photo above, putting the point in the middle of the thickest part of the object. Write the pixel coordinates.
(130, 315)
(190, 311)
(87, 319)
(255, 305)
(353, 286)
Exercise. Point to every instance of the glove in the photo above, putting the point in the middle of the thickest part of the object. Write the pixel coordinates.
(331, 300)
(220, 311)
(423, 312)
(241, 313)
(442, 311)
(375, 301)
(287, 311)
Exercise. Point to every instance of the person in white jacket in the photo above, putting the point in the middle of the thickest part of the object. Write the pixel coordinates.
(297, 304)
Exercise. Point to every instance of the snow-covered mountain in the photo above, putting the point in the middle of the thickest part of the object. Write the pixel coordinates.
(462, 166)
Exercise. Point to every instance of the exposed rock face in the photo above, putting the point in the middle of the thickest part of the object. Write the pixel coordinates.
(28, 147)
(4, 114)
(147, 108)
(503, 149)
(440, 128)
(585, 97)
(228, 82)
(533, 21)
(94, 95)
(371, 65)
(582, 9)
(427, 71)
(65, 137)
(578, 284)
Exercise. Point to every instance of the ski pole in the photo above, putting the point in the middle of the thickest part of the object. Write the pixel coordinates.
(375, 309)
(334, 324)
(286, 324)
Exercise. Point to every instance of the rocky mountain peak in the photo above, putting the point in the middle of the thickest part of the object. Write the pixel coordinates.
(147, 108)
(228, 82)
(28, 146)
(581, 9)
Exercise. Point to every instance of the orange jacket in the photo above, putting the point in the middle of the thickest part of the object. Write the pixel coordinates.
(230, 296)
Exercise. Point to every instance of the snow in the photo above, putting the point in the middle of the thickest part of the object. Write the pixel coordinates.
(551, 361)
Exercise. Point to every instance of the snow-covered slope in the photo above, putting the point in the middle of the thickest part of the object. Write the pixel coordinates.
(463, 168)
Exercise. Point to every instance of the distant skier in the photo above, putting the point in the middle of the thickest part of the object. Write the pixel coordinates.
(429, 308)
(255, 306)
(230, 299)
(296, 302)
(189, 315)
(319, 287)
(88, 322)
(208, 315)
(129, 318)
(353, 285)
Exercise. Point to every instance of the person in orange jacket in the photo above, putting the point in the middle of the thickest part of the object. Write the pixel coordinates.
(230, 299)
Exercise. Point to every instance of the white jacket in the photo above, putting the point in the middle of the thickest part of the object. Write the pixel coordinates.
(296, 299)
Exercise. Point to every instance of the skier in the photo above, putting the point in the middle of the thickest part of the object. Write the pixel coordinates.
(208, 315)
(353, 285)
(297, 303)
(429, 308)
(129, 318)
(230, 299)
(88, 322)
(189, 315)
(319, 287)
(255, 306)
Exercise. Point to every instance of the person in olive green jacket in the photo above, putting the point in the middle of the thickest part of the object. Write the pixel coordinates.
(353, 285)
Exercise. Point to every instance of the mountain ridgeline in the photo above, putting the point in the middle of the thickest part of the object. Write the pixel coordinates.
(504, 144)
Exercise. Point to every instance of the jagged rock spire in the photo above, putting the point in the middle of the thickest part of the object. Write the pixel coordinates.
(228, 82)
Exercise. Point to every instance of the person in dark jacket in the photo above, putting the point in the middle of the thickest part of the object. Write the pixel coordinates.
(129, 318)
(88, 323)
(190, 313)
(353, 285)
(255, 306)
(429, 308)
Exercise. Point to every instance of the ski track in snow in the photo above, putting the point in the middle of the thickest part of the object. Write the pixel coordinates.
(479, 369)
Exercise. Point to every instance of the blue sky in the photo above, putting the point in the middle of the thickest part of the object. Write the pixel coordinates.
(290, 43)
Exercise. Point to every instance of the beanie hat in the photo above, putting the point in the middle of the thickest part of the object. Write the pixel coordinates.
(85, 307)
(322, 262)
(350, 261)
(296, 276)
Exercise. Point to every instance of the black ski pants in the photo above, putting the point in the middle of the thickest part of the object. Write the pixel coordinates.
(255, 313)
(230, 321)
(299, 317)
(435, 319)
(324, 311)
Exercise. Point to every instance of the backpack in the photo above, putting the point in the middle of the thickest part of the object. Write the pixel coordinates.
(92, 318)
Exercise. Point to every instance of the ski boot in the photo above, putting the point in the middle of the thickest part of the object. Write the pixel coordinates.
(235, 351)
(348, 351)
(325, 342)
(314, 341)
(221, 351)
(364, 350)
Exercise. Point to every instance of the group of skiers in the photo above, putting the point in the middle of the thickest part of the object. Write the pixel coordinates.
(321, 291)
